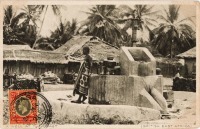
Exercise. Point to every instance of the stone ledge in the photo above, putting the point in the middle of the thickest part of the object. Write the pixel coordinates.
(69, 113)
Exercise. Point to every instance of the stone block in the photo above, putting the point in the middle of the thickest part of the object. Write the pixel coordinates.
(137, 61)
(121, 89)
(115, 89)
(146, 100)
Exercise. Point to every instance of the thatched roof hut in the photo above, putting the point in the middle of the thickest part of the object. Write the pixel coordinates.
(191, 53)
(99, 49)
(25, 53)
(22, 59)
(189, 58)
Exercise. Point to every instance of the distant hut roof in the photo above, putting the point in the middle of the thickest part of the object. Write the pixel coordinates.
(191, 53)
(35, 56)
(99, 49)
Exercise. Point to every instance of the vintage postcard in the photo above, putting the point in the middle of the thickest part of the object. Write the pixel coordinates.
(99, 64)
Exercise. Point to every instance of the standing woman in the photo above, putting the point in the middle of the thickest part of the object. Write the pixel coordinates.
(82, 82)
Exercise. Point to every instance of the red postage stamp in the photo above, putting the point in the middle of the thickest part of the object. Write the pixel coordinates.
(23, 106)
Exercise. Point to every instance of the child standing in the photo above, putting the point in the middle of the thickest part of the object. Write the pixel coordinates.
(82, 82)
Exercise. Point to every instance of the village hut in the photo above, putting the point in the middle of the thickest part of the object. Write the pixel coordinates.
(99, 50)
(21, 59)
(190, 60)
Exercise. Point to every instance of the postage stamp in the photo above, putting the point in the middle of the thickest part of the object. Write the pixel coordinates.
(23, 107)
(29, 107)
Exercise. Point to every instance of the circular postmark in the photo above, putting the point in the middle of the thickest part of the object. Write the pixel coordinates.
(29, 107)
(44, 111)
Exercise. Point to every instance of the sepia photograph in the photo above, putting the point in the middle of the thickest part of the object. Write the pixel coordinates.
(99, 64)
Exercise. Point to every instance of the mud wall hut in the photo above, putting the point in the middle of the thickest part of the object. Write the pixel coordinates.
(190, 60)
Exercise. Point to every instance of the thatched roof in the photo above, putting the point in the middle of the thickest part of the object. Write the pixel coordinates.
(16, 47)
(99, 49)
(188, 54)
(73, 44)
(34, 56)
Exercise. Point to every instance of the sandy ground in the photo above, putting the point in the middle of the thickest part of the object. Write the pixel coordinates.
(183, 110)
(58, 87)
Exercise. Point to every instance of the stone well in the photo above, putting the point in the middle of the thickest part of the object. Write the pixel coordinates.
(132, 87)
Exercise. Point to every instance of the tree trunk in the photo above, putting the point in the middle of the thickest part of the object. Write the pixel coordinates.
(171, 48)
(134, 36)
(40, 27)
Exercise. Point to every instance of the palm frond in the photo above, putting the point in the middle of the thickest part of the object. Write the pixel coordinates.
(150, 13)
(151, 20)
(187, 27)
(128, 24)
(173, 12)
(177, 13)
(56, 9)
(168, 15)
(8, 14)
(148, 9)
(109, 10)
(15, 20)
(148, 23)
(126, 8)
(185, 19)
(161, 17)
(143, 9)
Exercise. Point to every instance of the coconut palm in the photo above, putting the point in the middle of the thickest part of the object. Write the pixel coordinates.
(58, 37)
(9, 23)
(174, 35)
(99, 23)
(64, 32)
(19, 28)
(10, 17)
(139, 17)
(43, 9)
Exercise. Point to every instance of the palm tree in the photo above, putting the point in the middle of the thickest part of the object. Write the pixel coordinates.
(10, 17)
(140, 17)
(16, 31)
(64, 32)
(44, 8)
(174, 35)
(99, 23)
(59, 36)
(9, 23)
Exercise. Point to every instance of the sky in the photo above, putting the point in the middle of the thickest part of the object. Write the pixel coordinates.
(68, 12)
